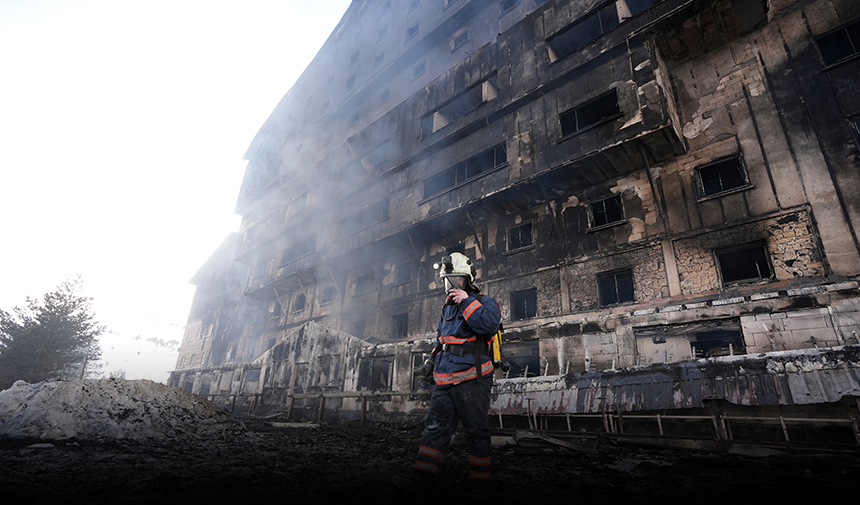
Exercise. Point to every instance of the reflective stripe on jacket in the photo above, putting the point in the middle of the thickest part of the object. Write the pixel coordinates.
(463, 324)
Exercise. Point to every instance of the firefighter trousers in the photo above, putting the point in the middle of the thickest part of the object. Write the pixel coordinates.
(467, 403)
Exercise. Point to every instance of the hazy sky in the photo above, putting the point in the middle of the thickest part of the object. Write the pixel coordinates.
(122, 129)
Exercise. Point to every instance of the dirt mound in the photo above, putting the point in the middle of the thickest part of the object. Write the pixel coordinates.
(108, 409)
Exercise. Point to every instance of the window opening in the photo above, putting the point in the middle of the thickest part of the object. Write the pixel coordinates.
(418, 69)
(354, 58)
(523, 304)
(721, 176)
(460, 40)
(507, 5)
(383, 96)
(469, 169)
(400, 326)
(523, 358)
(299, 303)
(615, 287)
(403, 272)
(840, 44)
(411, 31)
(749, 263)
(592, 26)
(328, 294)
(592, 112)
(383, 31)
(353, 119)
(473, 98)
(378, 59)
(363, 284)
(520, 236)
(607, 211)
(299, 250)
(350, 82)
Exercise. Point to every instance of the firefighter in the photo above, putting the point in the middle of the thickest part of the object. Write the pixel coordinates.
(462, 371)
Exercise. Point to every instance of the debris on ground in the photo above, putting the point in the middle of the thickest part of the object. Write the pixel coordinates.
(108, 409)
(275, 459)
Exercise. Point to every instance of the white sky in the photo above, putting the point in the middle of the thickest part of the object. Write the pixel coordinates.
(122, 129)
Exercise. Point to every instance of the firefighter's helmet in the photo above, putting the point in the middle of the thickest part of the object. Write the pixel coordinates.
(456, 265)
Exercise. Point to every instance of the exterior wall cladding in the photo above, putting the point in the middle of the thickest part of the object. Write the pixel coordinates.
(648, 187)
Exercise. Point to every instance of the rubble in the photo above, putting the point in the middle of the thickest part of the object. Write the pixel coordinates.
(108, 409)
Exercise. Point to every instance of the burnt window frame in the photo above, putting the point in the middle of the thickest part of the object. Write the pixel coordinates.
(328, 294)
(592, 221)
(400, 325)
(759, 246)
(526, 297)
(453, 110)
(531, 245)
(365, 217)
(852, 33)
(601, 13)
(300, 302)
(366, 284)
(581, 108)
(460, 172)
(700, 182)
(399, 270)
(460, 40)
(614, 274)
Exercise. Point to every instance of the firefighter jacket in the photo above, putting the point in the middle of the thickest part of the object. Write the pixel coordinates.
(474, 321)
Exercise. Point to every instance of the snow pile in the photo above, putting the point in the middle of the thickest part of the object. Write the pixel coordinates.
(108, 409)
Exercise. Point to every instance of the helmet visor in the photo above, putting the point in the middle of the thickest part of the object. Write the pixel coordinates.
(454, 282)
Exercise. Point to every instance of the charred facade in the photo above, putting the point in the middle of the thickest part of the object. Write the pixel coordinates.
(643, 185)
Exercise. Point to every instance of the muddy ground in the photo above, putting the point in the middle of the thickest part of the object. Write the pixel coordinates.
(335, 463)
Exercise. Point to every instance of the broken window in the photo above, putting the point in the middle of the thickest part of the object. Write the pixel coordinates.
(204, 389)
(472, 167)
(411, 31)
(615, 287)
(403, 272)
(376, 373)
(520, 236)
(507, 5)
(418, 70)
(721, 176)
(459, 40)
(673, 343)
(189, 384)
(840, 44)
(274, 310)
(744, 263)
(523, 304)
(470, 100)
(363, 284)
(328, 294)
(299, 303)
(593, 25)
(523, 358)
(327, 370)
(607, 211)
(367, 216)
(400, 326)
(300, 250)
(592, 112)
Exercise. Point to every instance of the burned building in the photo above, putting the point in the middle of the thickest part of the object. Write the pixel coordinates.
(648, 187)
